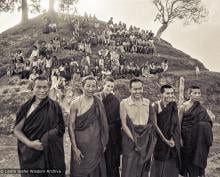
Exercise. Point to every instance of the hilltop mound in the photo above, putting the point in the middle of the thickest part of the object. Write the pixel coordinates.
(24, 36)
(14, 92)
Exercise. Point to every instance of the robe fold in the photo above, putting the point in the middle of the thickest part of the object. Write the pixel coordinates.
(196, 131)
(46, 124)
(137, 154)
(113, 148)
(167, 161)
(91, 134)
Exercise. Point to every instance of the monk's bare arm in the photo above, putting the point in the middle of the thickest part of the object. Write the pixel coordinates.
(20, 135)
(154, 120)
(71, 126)
(123, 116)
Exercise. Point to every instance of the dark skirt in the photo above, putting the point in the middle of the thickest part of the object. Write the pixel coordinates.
(167, 168)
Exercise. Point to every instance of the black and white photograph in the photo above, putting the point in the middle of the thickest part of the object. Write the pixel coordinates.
(109, 88)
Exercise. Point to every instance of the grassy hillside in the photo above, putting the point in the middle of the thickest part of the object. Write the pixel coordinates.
(24, 36)
(14, 92)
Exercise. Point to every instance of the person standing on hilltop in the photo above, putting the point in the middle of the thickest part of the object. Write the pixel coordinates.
(138, 135)
(197, 71)
(39, 128)
(166, 160)
(88, 131)
(197, 136)
(113, 148)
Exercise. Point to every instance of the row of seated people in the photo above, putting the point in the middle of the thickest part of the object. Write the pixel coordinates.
(99, 67)
(128, 42)
(86, 45)
(118, 41)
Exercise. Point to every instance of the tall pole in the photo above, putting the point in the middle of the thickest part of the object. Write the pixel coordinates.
(181, 91)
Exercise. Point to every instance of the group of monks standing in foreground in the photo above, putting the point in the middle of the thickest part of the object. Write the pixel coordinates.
(156, 139)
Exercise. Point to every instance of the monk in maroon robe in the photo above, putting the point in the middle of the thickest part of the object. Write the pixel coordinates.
(166, 160)
(138, 135)
(88, 130)
(113, 148)
(197, 136)
(39, 128)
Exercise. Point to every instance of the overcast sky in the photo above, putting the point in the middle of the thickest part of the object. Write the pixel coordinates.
(200, 41)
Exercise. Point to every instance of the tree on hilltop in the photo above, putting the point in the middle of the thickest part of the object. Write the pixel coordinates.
(65, 6)
(33, 6)
(68, 6)
(23, 5)
(24, 11)
(170, 10)
(7, 5)
(51, 6)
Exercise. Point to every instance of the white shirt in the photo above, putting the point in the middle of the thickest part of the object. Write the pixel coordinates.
(88, 60)
(34, 54)
(34, 63)
(49, 63)
(33, 77)
(101, 62)
(61, 68)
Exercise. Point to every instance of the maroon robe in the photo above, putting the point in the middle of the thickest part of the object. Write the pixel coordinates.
(46, 124)
(167, 161)
(137, 155)
(91, 133)
(113, 148)
(196, 131)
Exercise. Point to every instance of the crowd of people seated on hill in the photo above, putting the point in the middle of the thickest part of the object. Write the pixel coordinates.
(49, 27)
(44, 61)
(132, 40)
(113, 44)
(113, 36)
(154, 68)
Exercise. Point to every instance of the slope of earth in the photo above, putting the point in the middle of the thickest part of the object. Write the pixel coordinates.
(26, 35)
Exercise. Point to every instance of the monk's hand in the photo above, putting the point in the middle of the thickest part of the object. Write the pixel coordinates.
(137, 149)
(132, 138)
(78, 156)
(166, 141)
(171, 143)
(36, 144)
